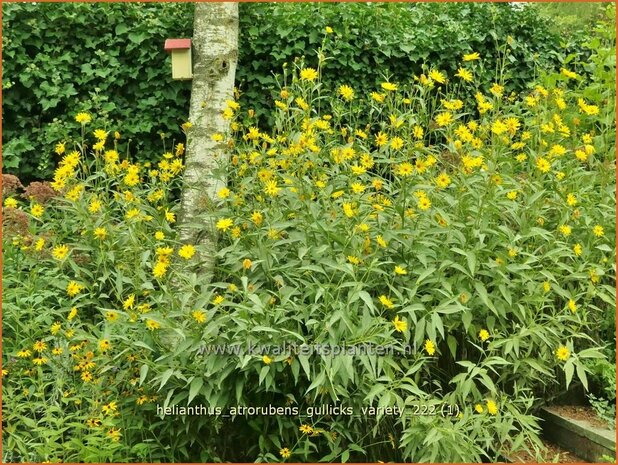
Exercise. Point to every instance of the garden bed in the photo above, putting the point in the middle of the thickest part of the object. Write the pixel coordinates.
(552, 451)
(579, 429)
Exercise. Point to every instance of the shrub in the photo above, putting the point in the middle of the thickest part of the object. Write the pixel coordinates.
(472, 240)
(108, 59)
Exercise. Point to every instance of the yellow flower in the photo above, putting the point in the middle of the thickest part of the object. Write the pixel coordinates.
(424, 203)
(24, 353)
(546, 286)
(565, 229)
(114, 434)
(396, 143)
(598, 230)
(55, 328)
(577, 249)
(223, 193)
(400, 325)
(218, 300)
(246, 263)
(389, 86)
(83, 118)
(39, 346)
(308, 74)
(404, 169)
(562, 353)
(306, 429)
(400, 270)
(346, 92)
(72, 314)
(464, 74)
(479, 408)
(572, 305)
(471, 56)
(511, 195)
(152, 325)
(100, 233)
(512, 253)
(37, 210)
(257, 218)
(224, 224)
(159, 270)
(94, 206)
(497, 90)
(104, 345)
(57, 351)
(186, 126)
(267, 360)
(353, 260)
(388, 303)
(60, 252)
(159, 235)
(170, 216)
(186, 251)
(543, 165)
(444, 118)
(437, 76)
(381, 139)
(328, 30)
(348, 209)
(377, 97)
(129, 302)
(571, 200)
(199, 316)
(443, 180)
(430, 347)
(492, 407)
(217, 137)
(483, 335)
(74, 288)
(567, 73)
(100, 134)
(10, 202)
(270, 188)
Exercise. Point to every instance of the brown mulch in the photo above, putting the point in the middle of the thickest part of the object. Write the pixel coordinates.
(548, 456)
(578, 412)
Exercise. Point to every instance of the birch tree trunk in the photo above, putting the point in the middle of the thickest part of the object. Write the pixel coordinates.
(215, 54)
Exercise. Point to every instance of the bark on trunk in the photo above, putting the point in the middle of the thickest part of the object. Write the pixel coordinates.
(215, 54)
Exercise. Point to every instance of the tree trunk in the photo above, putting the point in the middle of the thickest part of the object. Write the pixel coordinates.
(215, 53)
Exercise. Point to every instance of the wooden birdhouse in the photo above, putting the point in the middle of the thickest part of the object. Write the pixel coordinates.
(181, 58)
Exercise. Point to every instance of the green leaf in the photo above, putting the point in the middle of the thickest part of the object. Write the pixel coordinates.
(194, 388)
(452, 345)
(568, 371)
(263, 373)
(165, 377)
(121, 28)
(143, 372)
(304, 362)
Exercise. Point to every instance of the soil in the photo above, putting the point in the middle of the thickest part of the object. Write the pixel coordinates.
(548, 456)
(577, 412)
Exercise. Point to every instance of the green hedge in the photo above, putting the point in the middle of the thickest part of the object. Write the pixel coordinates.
(60, 59)
(63, 58)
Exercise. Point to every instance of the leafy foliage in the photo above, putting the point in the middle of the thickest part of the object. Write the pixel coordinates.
(398, 37)
(63, 58)
(469, 229)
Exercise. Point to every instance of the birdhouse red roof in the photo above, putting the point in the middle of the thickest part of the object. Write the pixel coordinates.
(177, 44)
